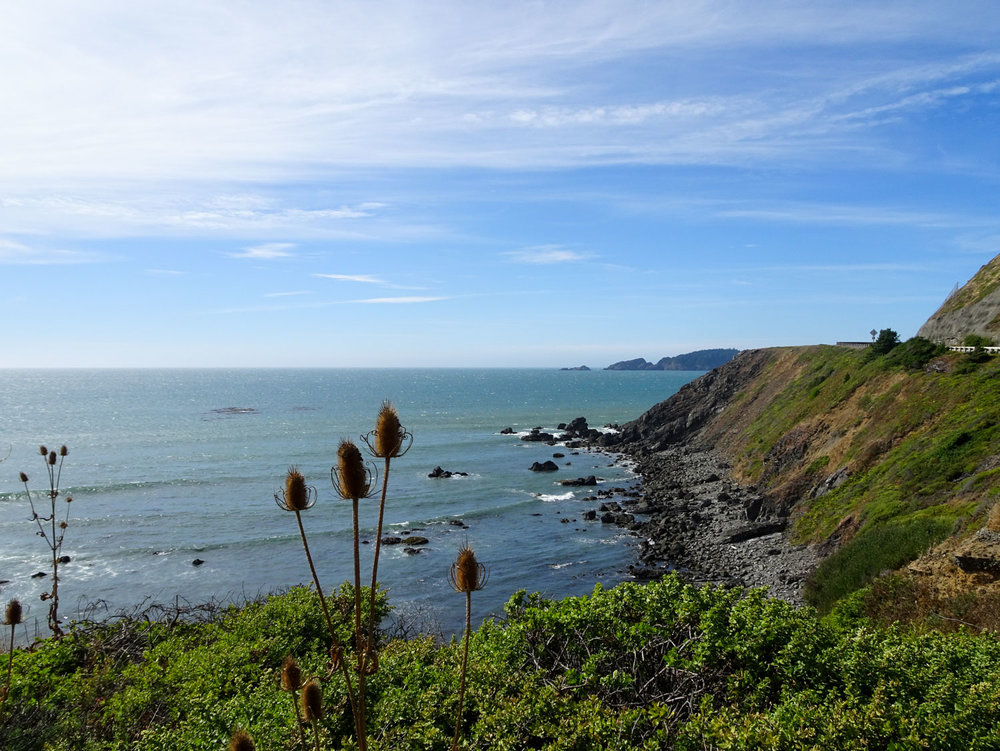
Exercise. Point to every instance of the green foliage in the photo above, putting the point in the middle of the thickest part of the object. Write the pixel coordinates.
(914, 353)
(884, 343)
(975, 340)
(663, 665)
(875, 549)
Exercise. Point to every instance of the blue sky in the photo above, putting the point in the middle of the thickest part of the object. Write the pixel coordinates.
(486, 184)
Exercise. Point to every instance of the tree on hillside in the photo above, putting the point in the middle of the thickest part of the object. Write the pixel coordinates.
(884, 342)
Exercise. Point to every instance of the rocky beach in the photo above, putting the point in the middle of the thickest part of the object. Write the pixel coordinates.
(688, 511)
(691, 514)
(693, 518)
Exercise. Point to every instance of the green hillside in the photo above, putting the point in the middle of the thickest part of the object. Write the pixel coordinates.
(906, 446)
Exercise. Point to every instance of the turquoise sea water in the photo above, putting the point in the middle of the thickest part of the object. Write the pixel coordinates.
(166, 466)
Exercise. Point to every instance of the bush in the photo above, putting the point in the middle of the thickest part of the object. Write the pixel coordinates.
(975, 340)
(876, 548)
(887, 339)
(663, 665)
(915, 353)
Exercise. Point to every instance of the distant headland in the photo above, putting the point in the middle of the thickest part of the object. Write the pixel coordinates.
(703, 359)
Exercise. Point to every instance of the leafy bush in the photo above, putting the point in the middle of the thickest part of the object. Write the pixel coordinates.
(663, 665)
(914, 353)
(975, 340)
(875, 549)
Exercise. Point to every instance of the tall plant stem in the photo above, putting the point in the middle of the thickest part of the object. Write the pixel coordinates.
(335, 643)
(358, 636)
(54, 596)
(465, 660)
(378, 550)
(298, 719)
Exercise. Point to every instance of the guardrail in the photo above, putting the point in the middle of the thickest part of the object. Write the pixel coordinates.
(991, 350)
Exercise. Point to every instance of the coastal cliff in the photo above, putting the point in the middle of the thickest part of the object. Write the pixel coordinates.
(855, 464)
(973, 309)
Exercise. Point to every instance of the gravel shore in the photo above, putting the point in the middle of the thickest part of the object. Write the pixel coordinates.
(693, 518)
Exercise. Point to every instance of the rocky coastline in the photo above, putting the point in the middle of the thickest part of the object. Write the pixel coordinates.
(690, 514)
(693, 518)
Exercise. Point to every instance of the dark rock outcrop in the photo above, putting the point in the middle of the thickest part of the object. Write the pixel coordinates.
(580, 482)
(679, 418)
(547, 466)
(437, 472)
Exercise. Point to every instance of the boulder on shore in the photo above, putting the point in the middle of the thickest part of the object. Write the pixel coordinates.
(580, 481)
(444, 473)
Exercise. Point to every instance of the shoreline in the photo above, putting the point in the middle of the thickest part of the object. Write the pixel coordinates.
(693, 518)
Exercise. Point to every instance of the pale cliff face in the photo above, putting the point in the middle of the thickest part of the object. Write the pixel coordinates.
(973, 309)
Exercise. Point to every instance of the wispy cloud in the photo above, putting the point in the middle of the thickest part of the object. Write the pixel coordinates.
(363, 278)
(16, 254)
(399, 300)
(266, 252)
(846, 214)
(288, 294)
(165, 272)
(294, 98)
(546, 254)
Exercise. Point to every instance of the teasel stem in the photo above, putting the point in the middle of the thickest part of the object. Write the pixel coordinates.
(378, 551)
(467, 575)
(12, 616)
(291, 679)
(334, 642)
(465, 662)
(389, 440)
(358, 636)
(298, 720)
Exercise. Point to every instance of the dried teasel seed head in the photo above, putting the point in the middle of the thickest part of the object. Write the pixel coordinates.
(312, 701)
(241, 741)
(63, 451)
(351, 477)
(43, 451)
(467, 574)
(389, 434)
(291, 676)
(24, 477)
(52, 457)
(296, 491)
(13, 614)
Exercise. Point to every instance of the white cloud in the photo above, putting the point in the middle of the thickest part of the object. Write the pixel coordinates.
(399, 300)
(266, 252)
(364, 278)
(17, 254)
(249, 92)
(546, 254)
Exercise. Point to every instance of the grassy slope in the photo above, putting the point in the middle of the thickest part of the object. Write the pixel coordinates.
(921, 449)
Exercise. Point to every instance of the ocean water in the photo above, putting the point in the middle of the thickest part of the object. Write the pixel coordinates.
(166, 466)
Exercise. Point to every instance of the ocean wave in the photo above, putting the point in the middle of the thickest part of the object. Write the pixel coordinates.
(558, 566)
(549, 497)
